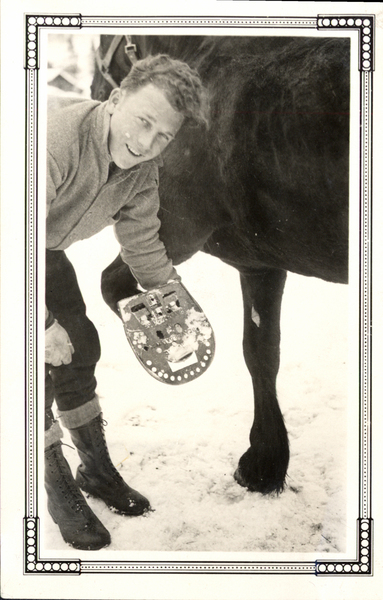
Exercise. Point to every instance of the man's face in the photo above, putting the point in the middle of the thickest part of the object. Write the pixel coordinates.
(141, 126)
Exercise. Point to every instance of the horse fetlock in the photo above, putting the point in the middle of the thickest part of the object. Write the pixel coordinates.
(262, 474)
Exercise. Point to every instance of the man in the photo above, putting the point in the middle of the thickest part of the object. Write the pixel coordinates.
(102, 169)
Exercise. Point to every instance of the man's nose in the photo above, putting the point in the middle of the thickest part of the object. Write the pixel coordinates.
(145, 141)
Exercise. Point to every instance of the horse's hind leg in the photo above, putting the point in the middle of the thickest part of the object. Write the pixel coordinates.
(263, 467)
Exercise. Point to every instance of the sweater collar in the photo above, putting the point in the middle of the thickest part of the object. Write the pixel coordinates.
(105, 125)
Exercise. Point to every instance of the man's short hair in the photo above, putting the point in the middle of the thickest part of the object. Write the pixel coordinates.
(180, 83)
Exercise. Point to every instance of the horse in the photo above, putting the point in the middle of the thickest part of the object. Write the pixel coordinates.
(264, 188)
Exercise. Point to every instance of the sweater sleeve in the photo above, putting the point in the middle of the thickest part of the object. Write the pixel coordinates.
(141, 248)
(53, 181)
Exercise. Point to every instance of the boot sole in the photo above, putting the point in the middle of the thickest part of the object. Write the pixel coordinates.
(87, 548)
(117, 511)
(79, 546)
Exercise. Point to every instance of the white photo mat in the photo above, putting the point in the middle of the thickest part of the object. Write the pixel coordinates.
(357, 560)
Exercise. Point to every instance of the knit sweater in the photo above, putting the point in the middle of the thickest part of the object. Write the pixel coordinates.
(87, 192)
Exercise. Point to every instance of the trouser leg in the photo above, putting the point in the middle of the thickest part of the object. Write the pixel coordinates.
(49, 398)
(72, 385)
(53, 431)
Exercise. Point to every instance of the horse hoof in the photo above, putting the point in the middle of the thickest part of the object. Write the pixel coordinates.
(261, 486)
(239, 478)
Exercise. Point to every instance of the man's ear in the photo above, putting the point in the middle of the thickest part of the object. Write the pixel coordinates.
(114, 99)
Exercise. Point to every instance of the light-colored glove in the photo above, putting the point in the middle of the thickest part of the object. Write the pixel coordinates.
(58, 347)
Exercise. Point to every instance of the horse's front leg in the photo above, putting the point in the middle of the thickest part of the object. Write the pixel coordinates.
(263, 467)
(117, 282)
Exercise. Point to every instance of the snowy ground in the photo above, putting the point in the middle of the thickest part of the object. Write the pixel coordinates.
(180, 446)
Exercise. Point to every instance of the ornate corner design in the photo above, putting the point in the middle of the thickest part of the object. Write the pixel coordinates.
(32, 562)
(33, 22)
(362, 565)
(365, 26)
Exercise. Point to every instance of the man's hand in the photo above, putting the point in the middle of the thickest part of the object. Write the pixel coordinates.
(58, 347)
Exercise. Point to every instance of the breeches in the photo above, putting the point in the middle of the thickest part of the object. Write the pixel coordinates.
(70, 385)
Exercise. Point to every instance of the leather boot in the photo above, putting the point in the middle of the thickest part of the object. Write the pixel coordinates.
(97, 475)
(67, 506)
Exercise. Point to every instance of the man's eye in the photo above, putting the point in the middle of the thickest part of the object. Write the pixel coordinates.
(144, 122)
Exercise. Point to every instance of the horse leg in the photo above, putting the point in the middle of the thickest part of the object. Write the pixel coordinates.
(117, 282)
(263, 467)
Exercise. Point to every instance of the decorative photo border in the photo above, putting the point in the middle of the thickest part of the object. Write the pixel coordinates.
(361, 563)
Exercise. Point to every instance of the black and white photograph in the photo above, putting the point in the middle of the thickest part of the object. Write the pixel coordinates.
(196, 289)
(221, 189)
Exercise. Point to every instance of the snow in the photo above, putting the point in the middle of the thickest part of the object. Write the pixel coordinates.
(180, 446)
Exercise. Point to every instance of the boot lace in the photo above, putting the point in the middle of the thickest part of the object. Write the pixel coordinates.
(106, 461)
(66, 484)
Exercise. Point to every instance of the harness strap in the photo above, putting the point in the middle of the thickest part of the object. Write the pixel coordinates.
(103, 64)
(112, 49)
(130, 50)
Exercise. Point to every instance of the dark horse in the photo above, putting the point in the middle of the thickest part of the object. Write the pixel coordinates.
(264, 188)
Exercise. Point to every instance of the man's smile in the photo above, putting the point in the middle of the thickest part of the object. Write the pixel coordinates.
(136, 154)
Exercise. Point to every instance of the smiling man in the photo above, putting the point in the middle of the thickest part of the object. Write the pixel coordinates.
(141, 126)
(102, 169)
